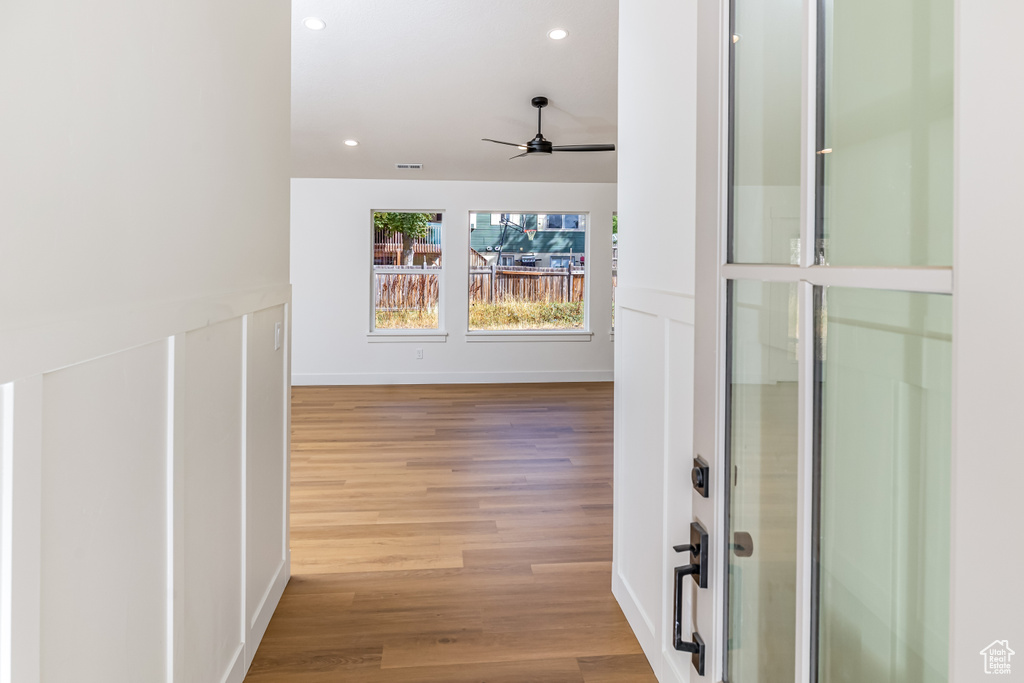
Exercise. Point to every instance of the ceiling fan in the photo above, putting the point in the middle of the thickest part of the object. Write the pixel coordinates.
(540, 145)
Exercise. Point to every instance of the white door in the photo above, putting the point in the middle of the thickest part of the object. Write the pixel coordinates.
(824, 340)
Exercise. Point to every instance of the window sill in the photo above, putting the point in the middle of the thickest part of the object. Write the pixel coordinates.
(408, 336)
(530, 336)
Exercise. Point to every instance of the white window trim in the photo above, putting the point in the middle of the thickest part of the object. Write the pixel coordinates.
(390, 334)
(586, 334)
(406, 336)
(529, 336)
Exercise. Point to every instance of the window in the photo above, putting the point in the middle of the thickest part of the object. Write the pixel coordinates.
(407, 270)
(522, 278)
(561, 221)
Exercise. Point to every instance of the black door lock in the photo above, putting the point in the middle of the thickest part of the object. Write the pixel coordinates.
(698, 549)
(699, 476)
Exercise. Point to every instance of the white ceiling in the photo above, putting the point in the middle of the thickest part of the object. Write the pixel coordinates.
(422, 81)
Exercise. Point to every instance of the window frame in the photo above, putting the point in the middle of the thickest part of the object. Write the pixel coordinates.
(537, 335)
(425, 335)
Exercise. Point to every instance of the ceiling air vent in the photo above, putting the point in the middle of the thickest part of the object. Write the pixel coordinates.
(409, 167)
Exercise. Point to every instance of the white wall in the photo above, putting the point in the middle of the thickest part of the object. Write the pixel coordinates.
(331, 266)
(143, 254)
(655, 317)
(137, 151)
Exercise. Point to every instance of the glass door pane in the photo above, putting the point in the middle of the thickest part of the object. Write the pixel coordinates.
(887, 96)
(765, 169)
(884, 486)
(762, 452)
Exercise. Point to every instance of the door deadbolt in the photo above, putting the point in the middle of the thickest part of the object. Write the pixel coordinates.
(699, 476)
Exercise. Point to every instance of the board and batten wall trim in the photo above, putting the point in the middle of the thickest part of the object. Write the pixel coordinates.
(123, 427)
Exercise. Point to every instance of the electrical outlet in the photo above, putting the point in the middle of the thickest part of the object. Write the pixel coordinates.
(419, 354)
(277, 336)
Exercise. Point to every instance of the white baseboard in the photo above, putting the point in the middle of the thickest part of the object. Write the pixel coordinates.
(643, 629)
(236, 671)
(638, 619)
(356, 378)
(261, 619)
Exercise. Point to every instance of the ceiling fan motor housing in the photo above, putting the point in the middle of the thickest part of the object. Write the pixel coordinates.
(538, 145)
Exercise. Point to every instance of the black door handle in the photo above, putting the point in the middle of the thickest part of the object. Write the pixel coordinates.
(698, 568)
(695, 646)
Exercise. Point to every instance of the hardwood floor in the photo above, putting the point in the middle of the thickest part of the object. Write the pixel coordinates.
(455, 534)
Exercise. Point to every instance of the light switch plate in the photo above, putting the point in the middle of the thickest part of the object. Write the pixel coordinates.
(277, 336)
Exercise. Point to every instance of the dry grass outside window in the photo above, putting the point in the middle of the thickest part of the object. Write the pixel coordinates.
(407, 319)
(515, 314)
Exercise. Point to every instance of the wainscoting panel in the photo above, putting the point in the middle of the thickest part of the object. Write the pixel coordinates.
(266, 466)
(212, 533)
(103, 563)
(653, 432)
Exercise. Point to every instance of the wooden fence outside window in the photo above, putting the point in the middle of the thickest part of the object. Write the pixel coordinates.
(416, 287)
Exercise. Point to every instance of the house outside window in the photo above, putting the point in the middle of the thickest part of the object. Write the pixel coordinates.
(526, 275)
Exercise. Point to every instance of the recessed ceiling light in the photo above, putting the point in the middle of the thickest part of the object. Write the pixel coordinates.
(314, 23)
(557, 33)
(351, 143)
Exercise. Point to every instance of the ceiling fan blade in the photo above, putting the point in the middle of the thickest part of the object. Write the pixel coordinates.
(513, 144)
(583, 148)
(518, 155)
